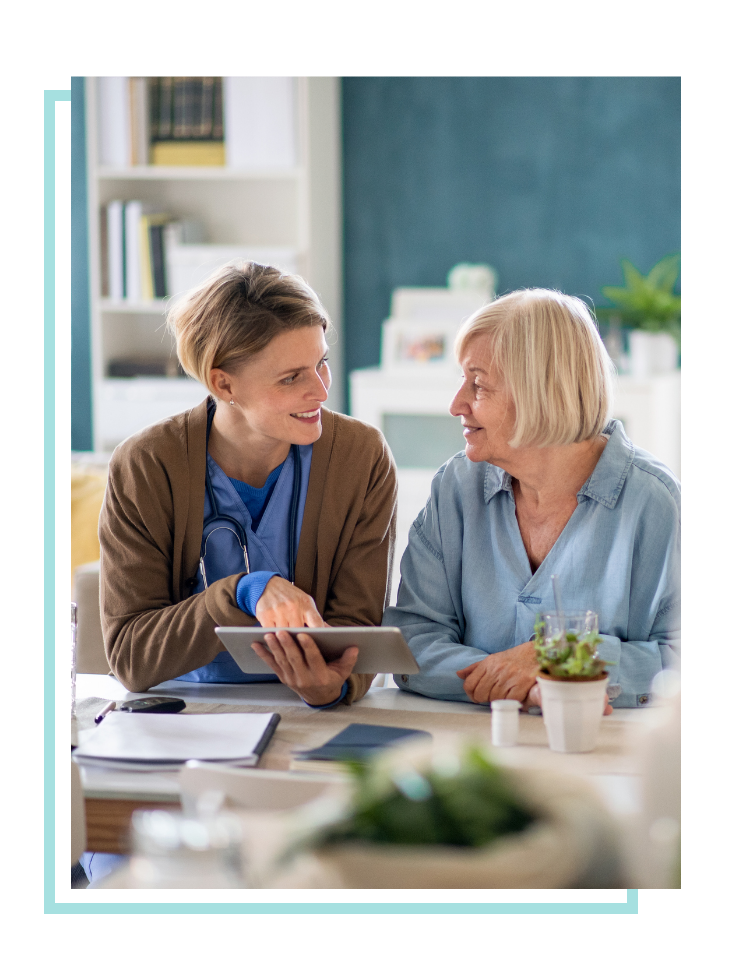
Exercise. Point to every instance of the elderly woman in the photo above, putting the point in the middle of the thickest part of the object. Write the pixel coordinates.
(548, 484)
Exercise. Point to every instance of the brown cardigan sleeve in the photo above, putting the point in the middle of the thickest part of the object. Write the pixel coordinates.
(151, 634)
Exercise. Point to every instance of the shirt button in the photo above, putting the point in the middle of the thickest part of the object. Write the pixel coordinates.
(404, 678)
(643, 700)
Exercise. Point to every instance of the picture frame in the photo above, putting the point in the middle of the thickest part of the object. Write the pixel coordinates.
(418, 344)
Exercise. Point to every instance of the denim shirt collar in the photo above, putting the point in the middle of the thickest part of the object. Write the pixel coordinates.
(605, 482)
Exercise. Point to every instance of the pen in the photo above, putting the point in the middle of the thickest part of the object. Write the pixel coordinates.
(103, 712)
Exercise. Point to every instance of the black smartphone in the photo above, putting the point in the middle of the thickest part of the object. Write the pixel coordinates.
(154, 703)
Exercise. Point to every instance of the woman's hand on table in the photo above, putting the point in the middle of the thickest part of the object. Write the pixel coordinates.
(299, 664)
(509, 674)
(282, 605)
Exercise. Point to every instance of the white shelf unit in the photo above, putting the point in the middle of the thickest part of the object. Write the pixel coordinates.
(650, 410)
(299, 208)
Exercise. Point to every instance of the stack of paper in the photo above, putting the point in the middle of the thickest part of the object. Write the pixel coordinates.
(156, 741)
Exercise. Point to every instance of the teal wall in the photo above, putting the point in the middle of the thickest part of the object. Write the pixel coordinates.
(550, 180)
(81, 361)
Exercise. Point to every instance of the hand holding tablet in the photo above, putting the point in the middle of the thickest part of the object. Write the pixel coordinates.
(379, 649)
(297, 662)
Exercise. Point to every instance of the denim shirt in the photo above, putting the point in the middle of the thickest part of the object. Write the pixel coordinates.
(467, 589)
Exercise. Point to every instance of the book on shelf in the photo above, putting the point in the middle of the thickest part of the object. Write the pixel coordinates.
(139, 116)
(153, 273)
(144, 366)
(113, 122)
(149, 255)
(113, 241)
(158, 264)
(138, 220)
(123, 122)
(242, 123)
(104, 252)
(186, 121)
(132, 251)
(132, 213)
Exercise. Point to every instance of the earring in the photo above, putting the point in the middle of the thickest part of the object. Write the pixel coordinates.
(232, 403)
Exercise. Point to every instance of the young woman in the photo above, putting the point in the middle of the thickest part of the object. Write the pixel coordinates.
(259, 506)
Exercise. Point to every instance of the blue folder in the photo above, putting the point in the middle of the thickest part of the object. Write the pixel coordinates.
(358, 742)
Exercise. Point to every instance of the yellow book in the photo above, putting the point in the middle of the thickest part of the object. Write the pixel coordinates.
(199, 153)
(148, 292)
(147, 280)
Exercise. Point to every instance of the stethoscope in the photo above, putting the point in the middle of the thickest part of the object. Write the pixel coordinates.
(235, 527)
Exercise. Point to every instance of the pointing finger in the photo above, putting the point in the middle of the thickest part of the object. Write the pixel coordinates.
(313, 619)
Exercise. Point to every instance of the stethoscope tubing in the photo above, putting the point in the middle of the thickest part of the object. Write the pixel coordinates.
(235, 527)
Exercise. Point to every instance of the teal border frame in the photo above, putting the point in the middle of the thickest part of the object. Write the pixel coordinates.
(57, 507)
(350, 908)
(57, 253)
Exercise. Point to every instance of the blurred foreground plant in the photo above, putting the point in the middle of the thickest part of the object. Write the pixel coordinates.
(408, 797)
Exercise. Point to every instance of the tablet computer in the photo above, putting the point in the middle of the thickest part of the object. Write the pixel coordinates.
(379, 649)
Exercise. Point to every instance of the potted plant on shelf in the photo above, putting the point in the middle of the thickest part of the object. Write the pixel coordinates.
(648, 305)
(445, 815)
(572, 680)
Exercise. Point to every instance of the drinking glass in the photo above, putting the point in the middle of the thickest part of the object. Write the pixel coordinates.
(74, 660)
(556, 626)
(174, 851)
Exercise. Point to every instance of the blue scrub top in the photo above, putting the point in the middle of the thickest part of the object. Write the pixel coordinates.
(268, 547)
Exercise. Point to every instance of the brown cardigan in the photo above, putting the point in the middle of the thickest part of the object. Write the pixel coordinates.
(151, 530)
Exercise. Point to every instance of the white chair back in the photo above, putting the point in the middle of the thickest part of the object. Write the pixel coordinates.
(91, 658)
(255, 790)
(79, 825)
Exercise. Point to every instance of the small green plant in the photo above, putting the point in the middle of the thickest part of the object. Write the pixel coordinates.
(465, 801)
(568, 655)
(648, 302)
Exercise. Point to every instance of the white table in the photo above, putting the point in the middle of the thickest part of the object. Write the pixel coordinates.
(111, 796)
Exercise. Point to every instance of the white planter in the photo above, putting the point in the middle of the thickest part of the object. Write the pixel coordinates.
(651, 353)
(572, 712)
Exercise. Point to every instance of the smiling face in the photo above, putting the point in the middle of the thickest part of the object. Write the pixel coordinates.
(279, 392)
(485, 406)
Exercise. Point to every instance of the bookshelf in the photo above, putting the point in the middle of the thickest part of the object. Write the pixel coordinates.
(296, 207)
(193, 173)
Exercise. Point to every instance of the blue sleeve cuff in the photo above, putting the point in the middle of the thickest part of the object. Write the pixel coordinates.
(335, 702)
(250, 588)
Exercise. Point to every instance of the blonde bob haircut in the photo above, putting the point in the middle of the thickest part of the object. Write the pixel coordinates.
(548, 353)
(236, 313)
